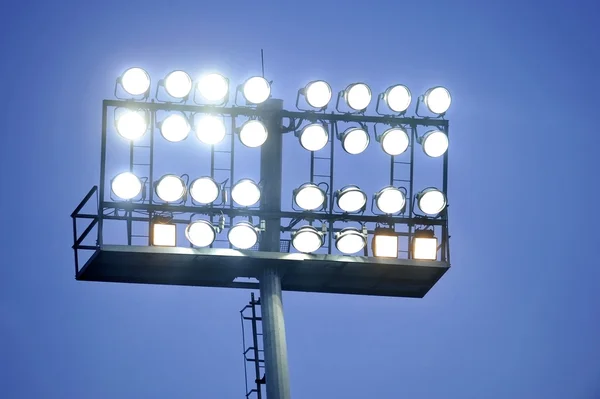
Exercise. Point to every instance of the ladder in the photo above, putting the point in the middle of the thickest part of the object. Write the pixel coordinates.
(221, 169)
(141, 168)
(401, 175)
(253, 353)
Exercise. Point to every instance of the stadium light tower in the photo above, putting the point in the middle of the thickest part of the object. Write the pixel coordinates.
(220, 227)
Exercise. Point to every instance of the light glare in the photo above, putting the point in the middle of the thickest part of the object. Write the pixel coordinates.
(351, 199)
(435, 143)
(385, 245)
(394, 141)
(390, 200)
(245, 193)
(425, 248)
(178, 84)
(135, 81)
(213, 87)
(170, 188)
(131, 125)
(358, 96)
(355, 141)
(243, 235)
(175, 128)
(164, 235)
(253, 134)
(438, 100)
(200, 233)
(398, 98)
(350, 241)
(431, 201)
(309, 197)
(210, 129)
(126, 186)
(256, 90)
(307, 239)
(314, 137)
(204, 190)
(318, 93)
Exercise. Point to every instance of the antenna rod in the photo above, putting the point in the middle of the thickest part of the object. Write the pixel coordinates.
(262, 61)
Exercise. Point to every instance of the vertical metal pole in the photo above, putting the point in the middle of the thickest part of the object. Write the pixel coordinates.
(274, 341)
(255, 346)
(102, 173)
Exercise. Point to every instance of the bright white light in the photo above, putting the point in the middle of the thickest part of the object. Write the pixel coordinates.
(164, 235)
(204, 190)
(435, 143)
(425, 248)
(175, 128)
(358, 96)
(350, 241)
(131, 125)
(135, 81)
(438, 100)
(243, 235)
(309, 197)
(256, 90)
(355, 140)
(390, 200)
(307, 239)
(126, 186)
(245, 192)
(210, 129)
(394, 141)
(385, 245)
(431, 201)
(253, 134)
(178, 84)
(200, 233)
(318, 93)
(314, 137)
(213, 87)
(170, 188)
(398, 98)
(351, 199)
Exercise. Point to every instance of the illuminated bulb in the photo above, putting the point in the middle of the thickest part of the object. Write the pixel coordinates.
(398, 98)
(438, 100)
(126, 186)
(131, 125)
(355, 140)
(175, 128)
(178, 84)
(135, 81)
(170, 188)
(424, 245)
(164, 235)
(435, 143)
(394, 141)
(256, 90)
(358, 96)
(350, 241)
(351, 199)
(385, 243)
(204, 190)
(243, 235)
(318, 93)
(200, 233)
(309, 197)
(390, 200)
(253, 134)
(431, 201)
(307, 239)
(245, 193)
(314, 137)
(210, 129)
(213, 87)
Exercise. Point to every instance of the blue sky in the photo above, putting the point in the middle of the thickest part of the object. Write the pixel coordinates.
(516, 316)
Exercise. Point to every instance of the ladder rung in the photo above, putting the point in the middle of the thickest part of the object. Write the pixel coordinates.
(222, 169)
(223, 151)
(321, 176)
(138, 236)
(141, 146)
(402, 180)
(252, 318)
(402, 163)
(322, 158)
(141, 164)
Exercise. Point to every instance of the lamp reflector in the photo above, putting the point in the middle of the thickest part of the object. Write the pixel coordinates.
(318, 93)
(390, 200)
(175, 128)
(309, 197)
(135, 81)
(350, 241)
(307, 239)
(243, 235)
(394, 141)
(178, 84)
(398, 98)
(210, 129)
(131, 125)
(438, 100)
(164, 235)
(256, 90)
(435, 143)
(355, 140)
(253, 134)
(170, 188)
(204, 190)
(385, 243)
(213, 87)
(126, 186)
(431, 201)
(200, 233)
(424, 245)
(314, 137)
(358, 96)
(351, 199)
(245, 193)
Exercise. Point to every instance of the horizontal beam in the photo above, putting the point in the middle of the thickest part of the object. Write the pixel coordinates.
(241, 212)
(306, 115)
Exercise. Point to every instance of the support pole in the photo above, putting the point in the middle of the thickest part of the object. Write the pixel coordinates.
(274, 341)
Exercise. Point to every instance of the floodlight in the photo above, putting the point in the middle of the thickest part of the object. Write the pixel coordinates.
(351, 199)
(390, 200)
(394, 141)
(126, 186)
(431, 201)
(385, 243)
(397, 98)
(175, 128)
(317, 93)
(435, 143)
(438, 100)
(309, 197)
(135, 81)
(210, 129)
(245, 192)
(178, 84)
(200, 233)
(355, 140)
(358, 96)
(256, 90)
(253, 133)
(307, 239)
(243, 235)
(131, 125)
(213, 87)
(204, 190)
(170, 188)
(164, 234)
(424, 245)
(314, 137)
(350, 240)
